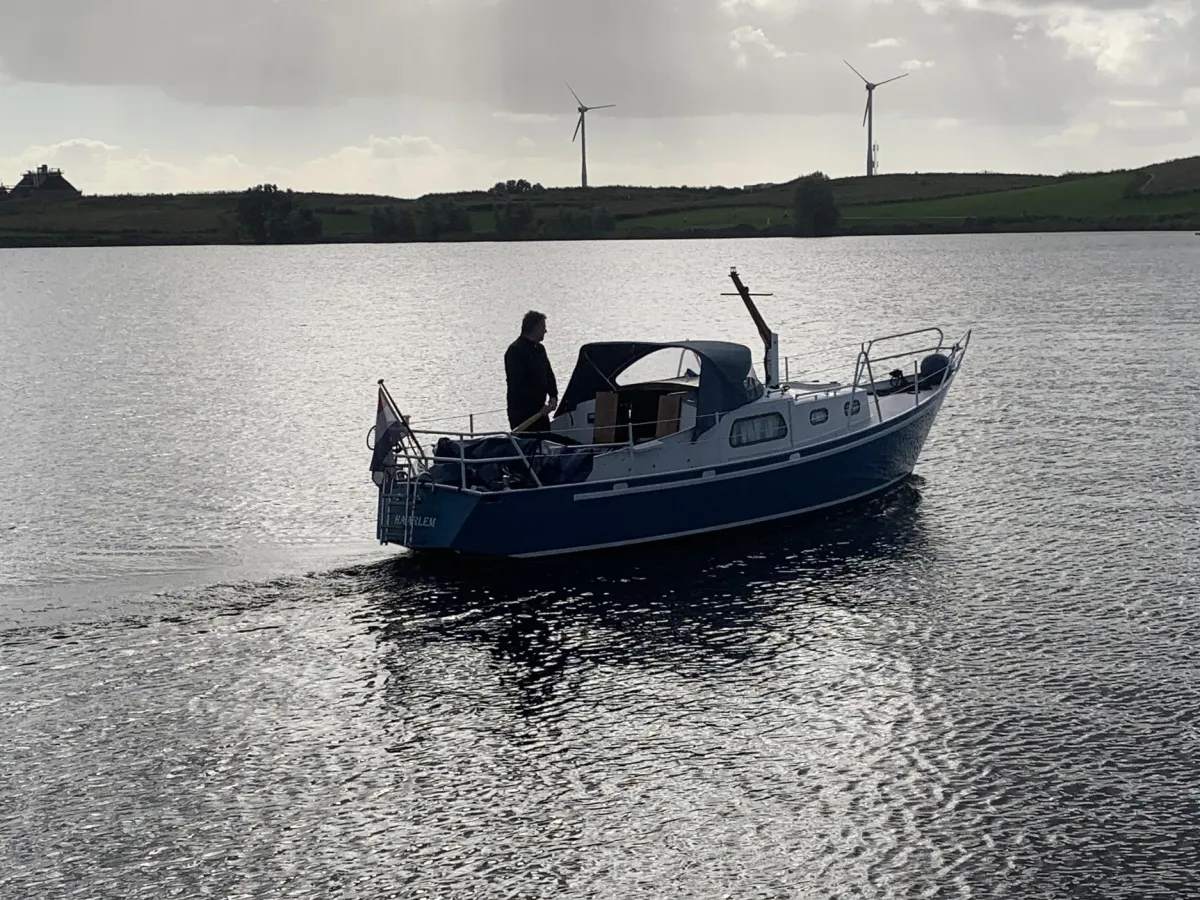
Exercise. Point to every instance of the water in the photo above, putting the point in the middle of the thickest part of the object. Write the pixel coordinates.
(213, 682)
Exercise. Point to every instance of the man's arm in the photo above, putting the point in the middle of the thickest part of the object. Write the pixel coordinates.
(552, 385)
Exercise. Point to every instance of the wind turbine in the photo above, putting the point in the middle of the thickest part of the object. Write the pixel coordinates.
(581, 128)
(869, 114)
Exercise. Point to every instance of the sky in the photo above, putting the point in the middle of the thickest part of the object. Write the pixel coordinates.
(408, 97)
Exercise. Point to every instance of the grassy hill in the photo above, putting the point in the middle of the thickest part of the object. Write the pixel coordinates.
(1165, 195)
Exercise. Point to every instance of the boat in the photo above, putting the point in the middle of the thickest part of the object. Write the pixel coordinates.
(631, 460)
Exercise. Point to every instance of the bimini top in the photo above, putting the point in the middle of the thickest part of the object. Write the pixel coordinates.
(727, 379)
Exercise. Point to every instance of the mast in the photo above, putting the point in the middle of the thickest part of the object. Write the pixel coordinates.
(770, 339)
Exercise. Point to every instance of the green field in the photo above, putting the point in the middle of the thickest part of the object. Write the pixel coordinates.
(1101, 196)
(1165, 195)
(708, 218)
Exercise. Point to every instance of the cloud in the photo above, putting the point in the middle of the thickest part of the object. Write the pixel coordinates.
(523, 118)
(1004, 62)
(97, 167)
(1131, 104)
(403, 164)
(746, 36)
(913, 65)
(403, 147)
(1077, 135)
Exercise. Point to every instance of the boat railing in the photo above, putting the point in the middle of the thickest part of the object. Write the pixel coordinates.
(867, 361)
(470, 420)
(792, 390)
(410, 465)
(826, 352)
(411, 462)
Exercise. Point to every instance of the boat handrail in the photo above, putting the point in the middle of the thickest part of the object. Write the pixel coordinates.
(830, 389)
(907, 353)
(786, 361)
(519, 457)
(933, 329)
(865, 361)
(863, 365)
(809, 375)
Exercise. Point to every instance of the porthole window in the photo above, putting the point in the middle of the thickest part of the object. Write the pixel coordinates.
(853, 407)
(757, 430)
(819, 416)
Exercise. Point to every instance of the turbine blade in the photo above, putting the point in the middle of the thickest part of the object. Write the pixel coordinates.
(897, 78)
(856, 72)
(866, 110)
(605, 106)
(577, 127)
(573, 94)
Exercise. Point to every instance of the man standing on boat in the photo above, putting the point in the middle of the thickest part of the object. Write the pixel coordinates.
(530, 378)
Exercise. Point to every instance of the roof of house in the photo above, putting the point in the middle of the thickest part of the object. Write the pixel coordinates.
(45, 180)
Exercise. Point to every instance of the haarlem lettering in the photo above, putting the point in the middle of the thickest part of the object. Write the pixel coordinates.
(418, 521)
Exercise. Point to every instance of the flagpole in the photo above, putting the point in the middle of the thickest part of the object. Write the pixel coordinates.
(404, 420)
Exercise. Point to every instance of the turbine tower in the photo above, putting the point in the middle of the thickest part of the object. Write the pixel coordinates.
(869, 115)
(581, 128)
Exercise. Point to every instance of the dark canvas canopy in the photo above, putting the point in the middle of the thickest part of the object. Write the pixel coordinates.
(726, 376)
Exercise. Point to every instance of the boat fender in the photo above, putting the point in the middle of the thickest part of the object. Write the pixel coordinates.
(933, 370)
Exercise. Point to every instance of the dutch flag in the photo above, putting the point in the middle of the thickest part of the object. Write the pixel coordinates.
(390, 427)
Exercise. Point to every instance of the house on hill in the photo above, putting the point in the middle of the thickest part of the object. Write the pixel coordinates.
(47, 183)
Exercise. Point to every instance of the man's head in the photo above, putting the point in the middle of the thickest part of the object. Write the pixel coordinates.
(533, 326)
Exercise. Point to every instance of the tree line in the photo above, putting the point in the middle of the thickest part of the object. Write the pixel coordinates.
(267, 215)
(816, 211)
(510, 220)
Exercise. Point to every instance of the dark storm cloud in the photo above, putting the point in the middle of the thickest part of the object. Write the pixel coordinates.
(994, 62)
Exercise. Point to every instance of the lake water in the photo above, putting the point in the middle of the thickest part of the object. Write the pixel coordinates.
(214, 682)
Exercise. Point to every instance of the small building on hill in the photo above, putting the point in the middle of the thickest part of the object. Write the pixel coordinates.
(45, 183)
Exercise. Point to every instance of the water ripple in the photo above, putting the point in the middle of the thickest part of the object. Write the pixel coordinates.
(983, 685)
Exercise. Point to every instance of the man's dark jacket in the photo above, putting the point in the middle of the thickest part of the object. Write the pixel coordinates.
(530, 381)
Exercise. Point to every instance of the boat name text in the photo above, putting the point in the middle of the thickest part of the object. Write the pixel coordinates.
(418, 521)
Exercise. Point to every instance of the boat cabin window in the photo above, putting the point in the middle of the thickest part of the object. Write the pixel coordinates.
(819, 416)
(852, 407)
(757, 430)
(662, 365)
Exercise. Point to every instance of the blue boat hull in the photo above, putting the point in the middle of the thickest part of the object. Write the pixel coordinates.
(590, 516)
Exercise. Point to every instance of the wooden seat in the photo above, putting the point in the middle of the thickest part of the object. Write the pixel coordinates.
(669, 409)
(604, 426)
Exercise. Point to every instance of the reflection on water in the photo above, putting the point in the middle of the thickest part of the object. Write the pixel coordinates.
(699, 605)
(818, 709)
(705, 602)
(984, 684)
(525, 727)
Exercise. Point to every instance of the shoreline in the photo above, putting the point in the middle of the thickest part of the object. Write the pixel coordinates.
(68, 240)
(1161, 197)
